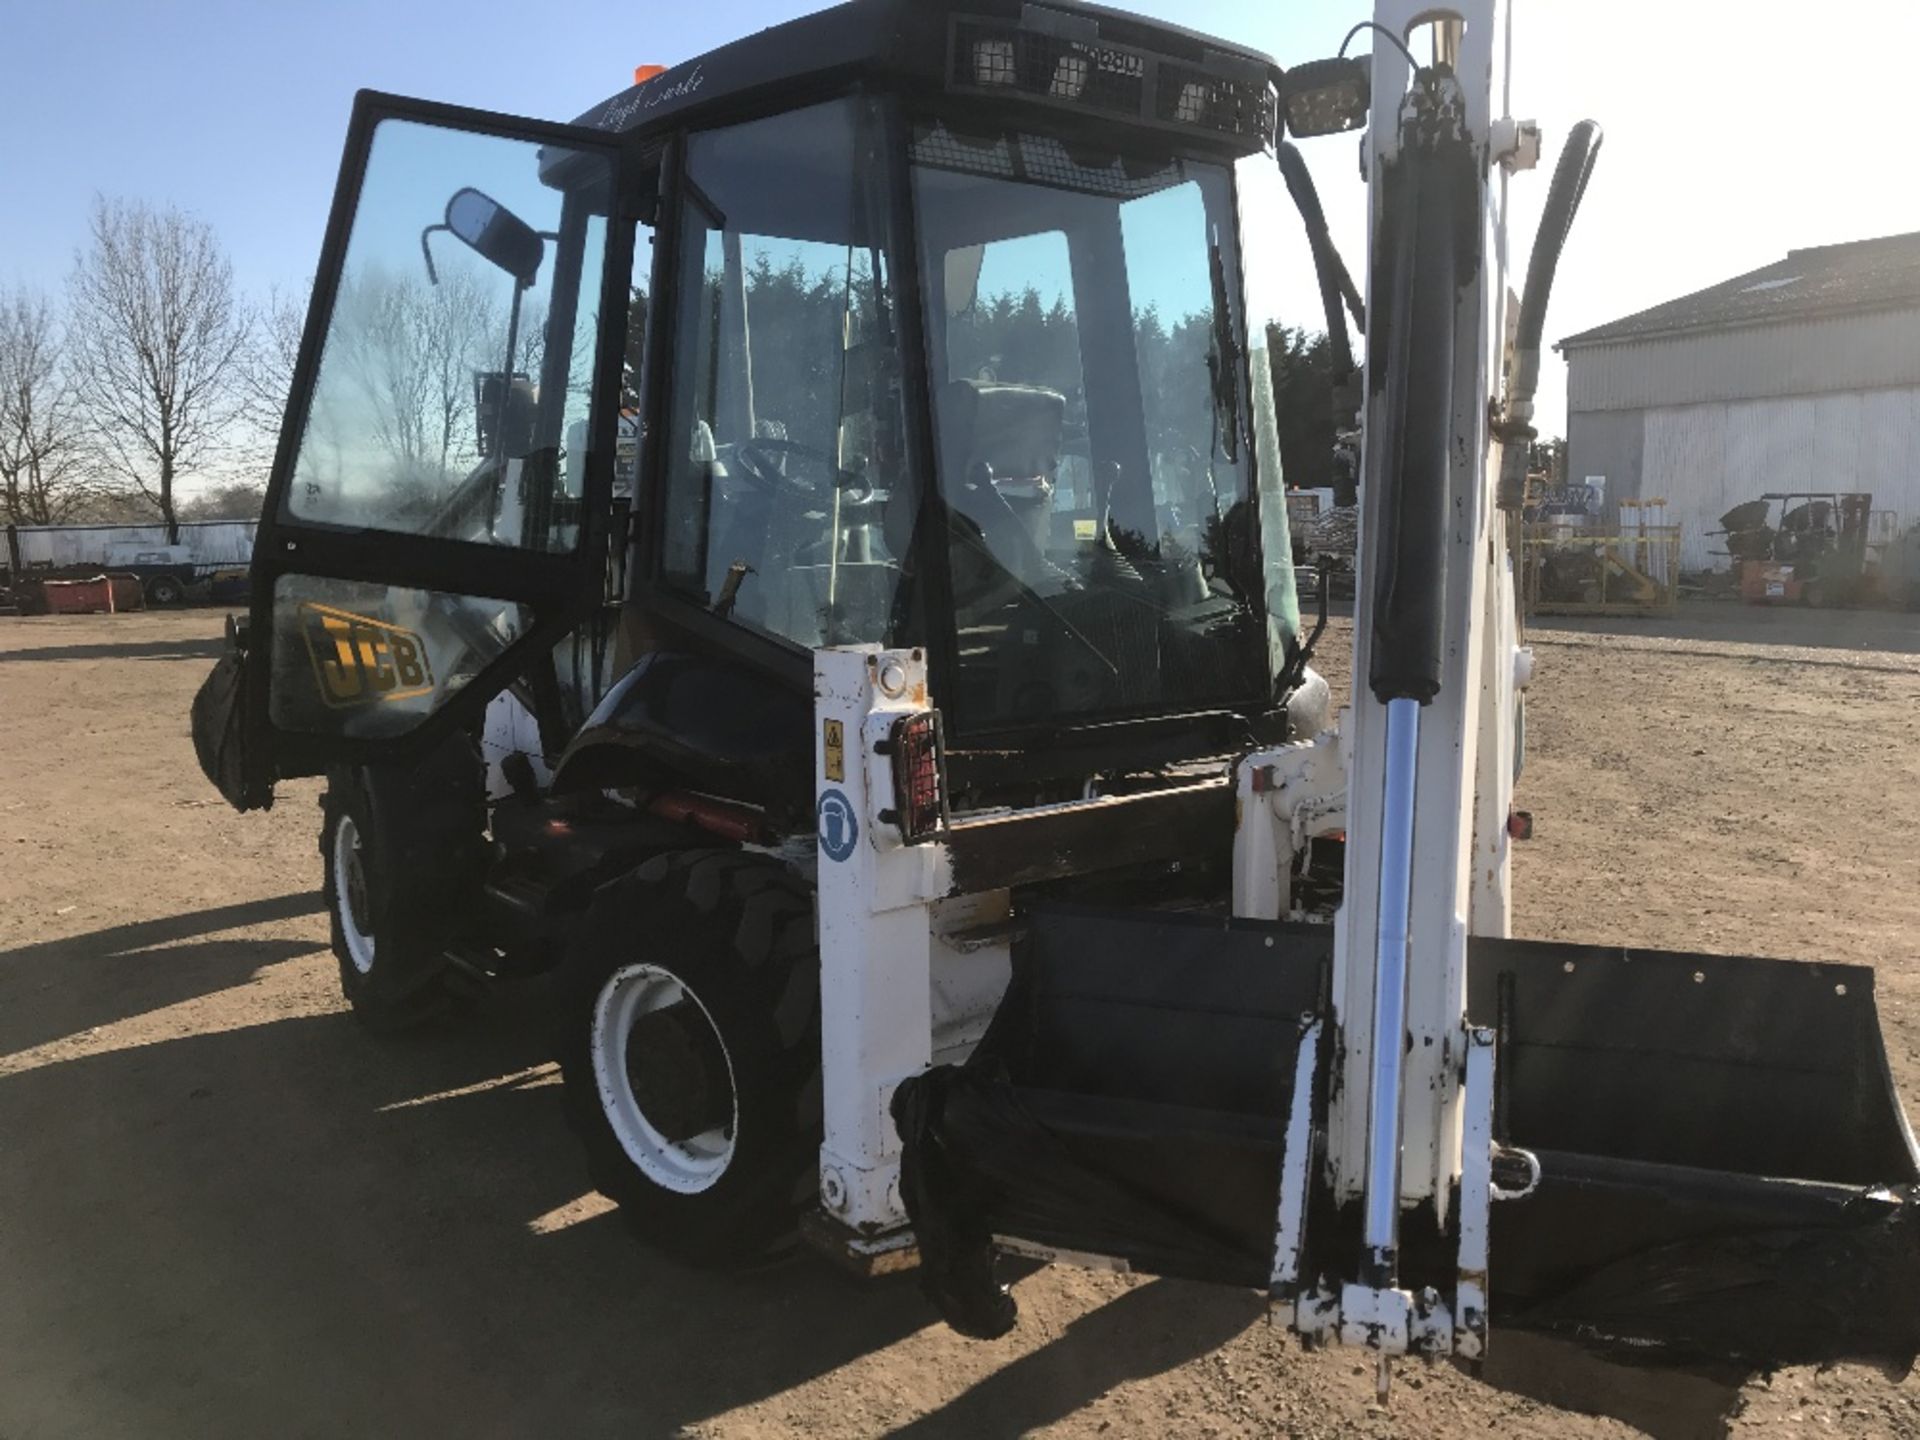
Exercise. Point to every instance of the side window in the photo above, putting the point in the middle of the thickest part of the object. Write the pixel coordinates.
(789, 508)
(458, 358)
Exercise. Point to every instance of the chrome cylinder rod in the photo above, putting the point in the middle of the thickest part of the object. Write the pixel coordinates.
(1382, 1216)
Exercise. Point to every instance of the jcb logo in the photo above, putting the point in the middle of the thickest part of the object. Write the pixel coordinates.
(360, 661)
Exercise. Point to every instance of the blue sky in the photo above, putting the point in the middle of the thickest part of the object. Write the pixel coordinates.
(235, 111)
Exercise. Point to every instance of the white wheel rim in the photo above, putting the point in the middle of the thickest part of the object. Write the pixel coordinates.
(350, 894)
(687, 1166)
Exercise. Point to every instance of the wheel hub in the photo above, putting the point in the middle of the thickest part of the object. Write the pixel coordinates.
(665, 1078)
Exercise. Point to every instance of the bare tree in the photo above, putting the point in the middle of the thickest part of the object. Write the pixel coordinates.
(409, 350)
(159, 341)
(267, 376)
(41, 435)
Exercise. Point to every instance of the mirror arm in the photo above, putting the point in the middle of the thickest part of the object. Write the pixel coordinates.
(426, 250)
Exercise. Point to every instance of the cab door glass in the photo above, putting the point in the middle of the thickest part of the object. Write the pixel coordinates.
(455, 377)
(788, 506)
(452, 401)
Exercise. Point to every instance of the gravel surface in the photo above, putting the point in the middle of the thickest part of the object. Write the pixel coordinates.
(229, 1212)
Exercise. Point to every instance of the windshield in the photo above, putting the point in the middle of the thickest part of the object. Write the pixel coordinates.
(1090, 423)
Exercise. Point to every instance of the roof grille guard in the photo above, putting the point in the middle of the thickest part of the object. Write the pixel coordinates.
(1061, 60)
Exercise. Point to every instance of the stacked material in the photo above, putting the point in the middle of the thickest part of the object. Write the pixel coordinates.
(1335, 533)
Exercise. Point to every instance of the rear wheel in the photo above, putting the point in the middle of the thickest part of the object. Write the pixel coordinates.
(165, 590)
(404, 853)
(690, 1047)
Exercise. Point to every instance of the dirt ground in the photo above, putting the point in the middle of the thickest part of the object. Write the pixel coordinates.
(225, 1211)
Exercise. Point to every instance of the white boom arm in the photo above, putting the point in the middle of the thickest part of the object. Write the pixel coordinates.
(1429, 777)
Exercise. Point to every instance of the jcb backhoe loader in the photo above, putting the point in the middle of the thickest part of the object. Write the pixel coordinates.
(912, 765)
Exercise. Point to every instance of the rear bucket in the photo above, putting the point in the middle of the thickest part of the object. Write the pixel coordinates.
(1726, 1172)
(1728, 1182)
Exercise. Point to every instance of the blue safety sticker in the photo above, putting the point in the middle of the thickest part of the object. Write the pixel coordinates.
(838, 826)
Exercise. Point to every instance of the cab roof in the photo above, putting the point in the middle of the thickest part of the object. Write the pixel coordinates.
(1103, 66)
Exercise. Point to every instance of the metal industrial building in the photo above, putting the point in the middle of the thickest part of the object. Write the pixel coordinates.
(1804, 375)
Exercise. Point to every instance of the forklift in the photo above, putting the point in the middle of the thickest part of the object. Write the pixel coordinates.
(913, 774)
(1816, 552)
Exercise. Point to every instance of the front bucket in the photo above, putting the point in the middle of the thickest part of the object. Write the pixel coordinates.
(1728, 1182)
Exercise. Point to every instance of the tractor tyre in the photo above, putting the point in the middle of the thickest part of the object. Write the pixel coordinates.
(689, 1042)
(404, 850)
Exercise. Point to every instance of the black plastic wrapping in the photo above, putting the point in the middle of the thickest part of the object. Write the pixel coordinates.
(1728, 1179)
(220, 729)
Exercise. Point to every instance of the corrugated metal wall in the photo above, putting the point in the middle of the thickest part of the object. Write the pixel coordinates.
(213, 542)
(1607, 443)
(1841, 353)
(1705, 459)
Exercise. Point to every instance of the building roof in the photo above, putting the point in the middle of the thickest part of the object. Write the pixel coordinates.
(1881, 274)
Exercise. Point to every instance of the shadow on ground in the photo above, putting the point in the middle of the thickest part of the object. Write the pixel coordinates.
(1148, 1330)
(127, 650)
(287, 1227)
(63, 987)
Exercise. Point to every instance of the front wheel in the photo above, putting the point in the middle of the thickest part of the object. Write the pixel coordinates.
(690, 1047)
(165, 590)
(404, 853)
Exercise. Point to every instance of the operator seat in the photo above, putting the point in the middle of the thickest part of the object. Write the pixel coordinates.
(1001, 445)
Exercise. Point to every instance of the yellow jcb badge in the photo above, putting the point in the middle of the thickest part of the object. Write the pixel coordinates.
(359, 661)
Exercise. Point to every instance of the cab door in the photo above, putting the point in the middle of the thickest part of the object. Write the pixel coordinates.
(436, 517)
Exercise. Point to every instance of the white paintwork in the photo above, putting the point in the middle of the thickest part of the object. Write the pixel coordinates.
(1450, 727)
(1304, 797)
(1476, 1197)
(1506, 671)
(689, 1166)
(350, 889)
(1290, 1229)
(1464, 758)
(510, 729)
(971, 965)
(876, 946)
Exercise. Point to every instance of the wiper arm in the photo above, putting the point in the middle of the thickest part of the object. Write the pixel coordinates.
(1223, 362)
(978, 542)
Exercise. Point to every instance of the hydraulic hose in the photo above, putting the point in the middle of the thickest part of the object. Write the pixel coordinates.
(1336, 284)
(1570, 178)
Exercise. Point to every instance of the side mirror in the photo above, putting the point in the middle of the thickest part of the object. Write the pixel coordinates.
(493, 232)
(1327, 97)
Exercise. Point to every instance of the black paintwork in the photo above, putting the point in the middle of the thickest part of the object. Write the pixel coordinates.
(900, 41)
(700, 722)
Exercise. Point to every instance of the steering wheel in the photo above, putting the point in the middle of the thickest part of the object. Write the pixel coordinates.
(758, 464)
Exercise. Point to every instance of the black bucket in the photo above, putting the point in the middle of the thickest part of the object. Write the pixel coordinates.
(1728, 1182)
